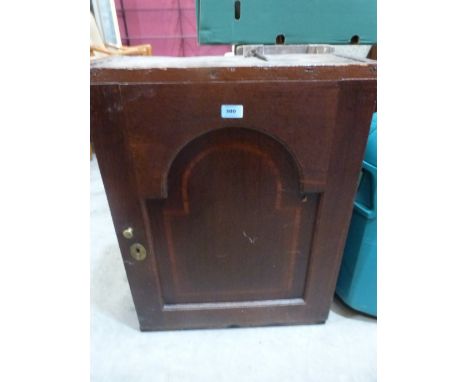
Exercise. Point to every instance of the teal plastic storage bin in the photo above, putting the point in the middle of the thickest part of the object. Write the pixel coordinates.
(288, 22)
(357, 281)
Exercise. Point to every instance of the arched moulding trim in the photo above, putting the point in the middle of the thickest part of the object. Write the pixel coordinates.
(296, 162)
(273, 154)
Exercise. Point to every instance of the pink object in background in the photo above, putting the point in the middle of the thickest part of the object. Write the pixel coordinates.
(170, 26)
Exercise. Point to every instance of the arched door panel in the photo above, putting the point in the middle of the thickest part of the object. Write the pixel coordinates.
(235, 226)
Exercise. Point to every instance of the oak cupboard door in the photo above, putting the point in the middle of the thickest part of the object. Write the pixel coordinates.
(231, 221)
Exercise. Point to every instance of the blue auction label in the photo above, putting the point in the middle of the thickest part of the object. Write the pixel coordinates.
(232, 111)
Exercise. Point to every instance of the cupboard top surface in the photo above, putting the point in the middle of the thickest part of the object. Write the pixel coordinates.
(235, 68)
(273, 60)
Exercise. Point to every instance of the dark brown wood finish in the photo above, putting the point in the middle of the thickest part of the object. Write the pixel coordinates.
(244, 220)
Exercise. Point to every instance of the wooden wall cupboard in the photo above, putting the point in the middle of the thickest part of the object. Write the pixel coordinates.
(222, 221)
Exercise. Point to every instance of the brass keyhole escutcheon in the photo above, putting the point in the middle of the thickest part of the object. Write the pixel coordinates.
(138, 252)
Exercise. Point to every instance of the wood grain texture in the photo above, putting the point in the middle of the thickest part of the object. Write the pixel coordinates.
(244, 220)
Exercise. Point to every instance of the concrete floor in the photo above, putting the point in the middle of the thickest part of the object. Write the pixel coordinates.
(342, 350)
